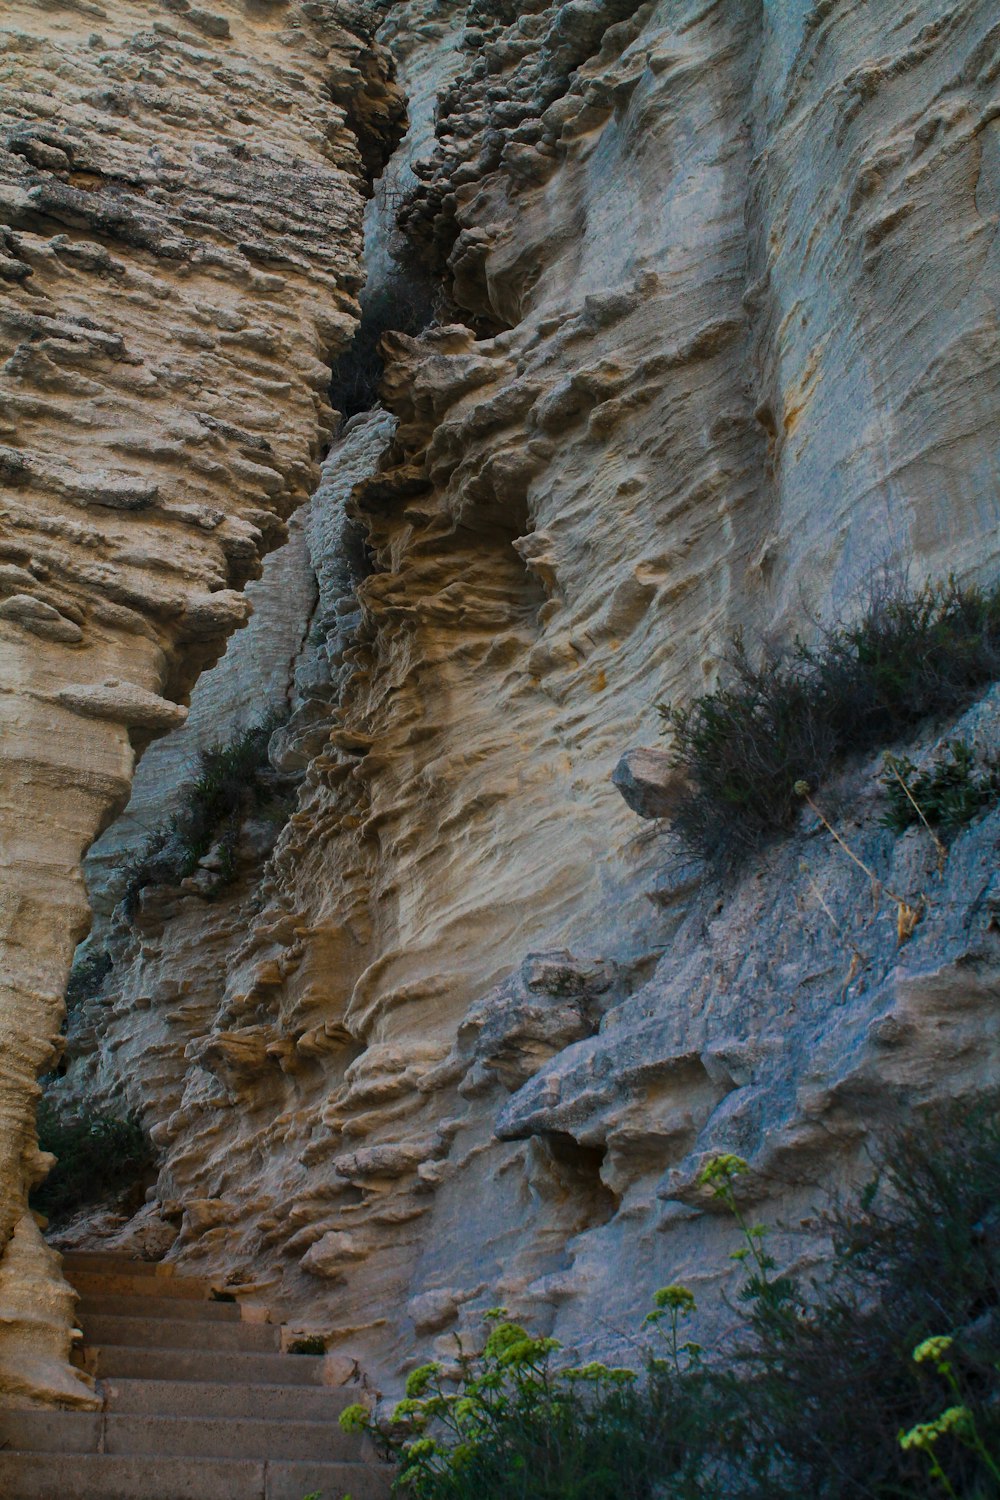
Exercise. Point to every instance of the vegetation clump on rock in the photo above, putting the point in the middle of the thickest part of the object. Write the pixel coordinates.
(99, 1157)
(87, 976)
(948, 794)
(789, 717)
(234, 781)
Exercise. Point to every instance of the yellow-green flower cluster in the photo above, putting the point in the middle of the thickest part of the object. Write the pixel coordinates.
(933, 1348)
(409, 1411)
(595, 1371)
(510, 1344)
(957, 1420)
(419, 1379)
(355, 1418)
(675, 1296)
(722, 1170)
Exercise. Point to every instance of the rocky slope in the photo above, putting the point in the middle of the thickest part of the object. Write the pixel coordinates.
(724, 283)
(181, 196)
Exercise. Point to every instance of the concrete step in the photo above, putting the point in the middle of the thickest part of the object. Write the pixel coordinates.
(183, 1333)
(205, 1437)
(184, 1288)
(156, 1307)
(285, 1481)
(193, 1398)
(180, 1437)
(227, 1367)
(105, 1476)
(110, 1264)
(51, 1431)
(198, 1404)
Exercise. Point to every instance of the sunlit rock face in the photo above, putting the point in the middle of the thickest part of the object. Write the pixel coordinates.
(181, 196)
(730, 281)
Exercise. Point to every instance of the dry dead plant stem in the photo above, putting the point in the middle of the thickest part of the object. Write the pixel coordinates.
(907, 916)
(858, 959)
(942, 852)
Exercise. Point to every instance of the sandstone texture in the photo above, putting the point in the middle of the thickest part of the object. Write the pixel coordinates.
(181, 197)
(722, 339)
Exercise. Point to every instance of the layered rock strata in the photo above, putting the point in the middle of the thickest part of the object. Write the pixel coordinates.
(733, 280)
(181, 196)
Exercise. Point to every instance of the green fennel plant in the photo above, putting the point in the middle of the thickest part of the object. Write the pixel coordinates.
(506, 1422)
(814, 1394)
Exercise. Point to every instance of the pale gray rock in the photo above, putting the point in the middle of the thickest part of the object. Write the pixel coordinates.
(552, 1000)
(123, 702)
(649, 782)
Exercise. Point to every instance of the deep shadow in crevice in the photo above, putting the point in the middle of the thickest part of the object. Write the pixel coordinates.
(404, 301)
(578, 1170)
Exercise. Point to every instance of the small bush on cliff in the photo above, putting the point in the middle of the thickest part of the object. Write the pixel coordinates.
(947, 795)
(884, 1383)
(99, 1157)
(833, 1383)
(87, 975)
(790, 716)
(233, 782)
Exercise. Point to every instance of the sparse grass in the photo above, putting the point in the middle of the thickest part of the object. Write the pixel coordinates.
(791, 716)
(99, 1157)
(233, 782)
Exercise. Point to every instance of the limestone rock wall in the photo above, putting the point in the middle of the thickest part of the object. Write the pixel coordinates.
(731, 285)
(252, 681)
(281, 660)
(181, 197)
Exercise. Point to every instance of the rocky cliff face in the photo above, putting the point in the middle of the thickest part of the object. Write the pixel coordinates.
(181, 194)
(724, 284)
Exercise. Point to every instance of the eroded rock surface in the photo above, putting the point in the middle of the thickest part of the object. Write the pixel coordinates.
(180, 235)
(731, 285)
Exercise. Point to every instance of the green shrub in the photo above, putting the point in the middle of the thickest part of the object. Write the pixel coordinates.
(310, 1343)
(882, 1383)
(949, 794)
(99, 1157)
(835, 1382)
(515, 1426)
(87, 975)
(233, 782)
(791, 716)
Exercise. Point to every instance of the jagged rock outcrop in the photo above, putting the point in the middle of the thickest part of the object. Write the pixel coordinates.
(732, 276)
(180, 235)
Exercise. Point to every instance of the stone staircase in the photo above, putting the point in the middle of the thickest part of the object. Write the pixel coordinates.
(197, 1404)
